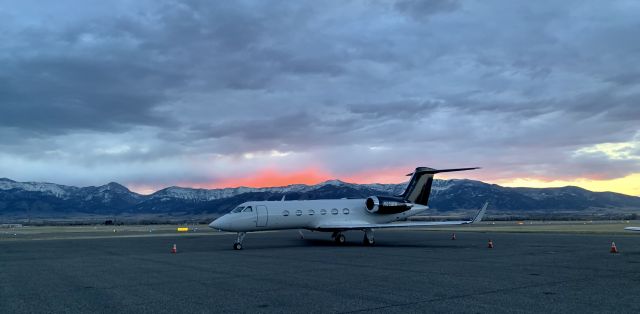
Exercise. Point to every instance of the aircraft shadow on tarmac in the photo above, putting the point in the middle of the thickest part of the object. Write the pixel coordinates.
(255, 244)
(330, 243)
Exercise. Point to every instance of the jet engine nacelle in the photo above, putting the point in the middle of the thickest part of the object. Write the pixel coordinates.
(387, 205)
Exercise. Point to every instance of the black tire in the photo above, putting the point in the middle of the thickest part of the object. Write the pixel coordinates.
(341, 239)
(237, 246)
(366, 241)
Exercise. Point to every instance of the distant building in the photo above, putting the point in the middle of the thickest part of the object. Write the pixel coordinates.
(10, 225)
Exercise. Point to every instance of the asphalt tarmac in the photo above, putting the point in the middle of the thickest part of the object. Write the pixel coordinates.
(407, 271)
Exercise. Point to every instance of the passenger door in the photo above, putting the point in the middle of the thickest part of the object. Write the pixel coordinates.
(263, 216)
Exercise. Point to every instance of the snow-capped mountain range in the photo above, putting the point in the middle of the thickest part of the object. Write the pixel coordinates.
(215, 194)
(49, 199)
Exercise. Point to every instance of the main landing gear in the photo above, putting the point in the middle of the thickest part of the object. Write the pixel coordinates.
(368, 237)
(238, 244)
(368, 240)
(339, 237)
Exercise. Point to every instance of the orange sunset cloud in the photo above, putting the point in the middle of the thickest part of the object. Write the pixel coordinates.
(272, 177)
(312, 175)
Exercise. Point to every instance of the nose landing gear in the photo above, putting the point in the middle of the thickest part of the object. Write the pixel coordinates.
(238, 244)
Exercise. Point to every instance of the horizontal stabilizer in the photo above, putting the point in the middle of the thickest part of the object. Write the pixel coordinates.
(434, 171)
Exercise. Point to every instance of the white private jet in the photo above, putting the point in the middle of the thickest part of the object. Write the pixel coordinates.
(339, 215)
(632, 228)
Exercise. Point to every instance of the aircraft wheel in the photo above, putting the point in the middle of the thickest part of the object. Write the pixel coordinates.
(368, 242)
(341, 239)
(237, 246)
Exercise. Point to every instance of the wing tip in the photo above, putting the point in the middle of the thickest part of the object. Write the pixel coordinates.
(480, 213)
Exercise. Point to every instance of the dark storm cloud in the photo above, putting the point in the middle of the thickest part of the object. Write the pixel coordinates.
(599, 166)
(288, 131)
(395, 110)
(256, 128)
(421, 9)
(53, 96)
(628, 78)
(114, 73)
(148, 84)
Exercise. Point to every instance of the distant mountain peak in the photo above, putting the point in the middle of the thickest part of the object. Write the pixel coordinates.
(116, 187)
(335, 182)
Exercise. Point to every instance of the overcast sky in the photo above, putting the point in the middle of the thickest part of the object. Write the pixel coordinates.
(215, 93)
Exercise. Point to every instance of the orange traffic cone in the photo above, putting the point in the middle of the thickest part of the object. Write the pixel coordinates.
(174, 249)
(490, 245)
(614, 248)
(453, 236)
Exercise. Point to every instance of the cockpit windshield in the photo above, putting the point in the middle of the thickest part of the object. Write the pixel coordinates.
(244, 209)
(237, 209)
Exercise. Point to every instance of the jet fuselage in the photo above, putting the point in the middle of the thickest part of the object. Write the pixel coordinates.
(305, 214)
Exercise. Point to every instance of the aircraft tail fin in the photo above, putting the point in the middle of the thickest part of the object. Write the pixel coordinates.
(419, 187)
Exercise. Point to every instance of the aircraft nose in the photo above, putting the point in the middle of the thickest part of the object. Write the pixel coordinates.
(215, 224)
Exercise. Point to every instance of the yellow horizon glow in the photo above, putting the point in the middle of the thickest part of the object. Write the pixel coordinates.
(629, 185)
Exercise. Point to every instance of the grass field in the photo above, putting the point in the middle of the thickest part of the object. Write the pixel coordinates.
(99, 231)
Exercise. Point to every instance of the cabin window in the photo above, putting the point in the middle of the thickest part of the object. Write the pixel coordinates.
(323, 211)
(334, 211)
(247, 209)
(298, 212)
(285, 213)
(345, 211)
(311, 212)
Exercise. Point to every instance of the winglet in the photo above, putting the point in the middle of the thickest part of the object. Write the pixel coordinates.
(480, 213)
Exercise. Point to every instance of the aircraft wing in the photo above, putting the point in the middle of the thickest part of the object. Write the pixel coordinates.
(632, 228)
(365, 225)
